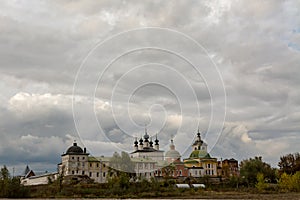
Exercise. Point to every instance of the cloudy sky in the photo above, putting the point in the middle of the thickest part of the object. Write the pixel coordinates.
(99, 72)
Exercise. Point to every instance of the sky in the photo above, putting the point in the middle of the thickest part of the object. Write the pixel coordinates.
(100, 72)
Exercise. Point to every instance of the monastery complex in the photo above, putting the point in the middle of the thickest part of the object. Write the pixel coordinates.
(147, 160)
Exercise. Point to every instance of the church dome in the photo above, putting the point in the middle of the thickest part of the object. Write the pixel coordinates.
(172, 153)
(74, 149)
(199, 154)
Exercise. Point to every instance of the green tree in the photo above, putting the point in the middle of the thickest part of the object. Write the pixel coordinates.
(122, 163)
(4, 174)
(4, 182)
(11, 187)
(251, 167)
(168, 171)
(17, 190)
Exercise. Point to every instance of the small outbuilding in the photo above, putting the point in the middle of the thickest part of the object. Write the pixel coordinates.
(198, 185)
(182, 185)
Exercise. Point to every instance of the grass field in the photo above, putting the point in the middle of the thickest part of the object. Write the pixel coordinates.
(98, 191)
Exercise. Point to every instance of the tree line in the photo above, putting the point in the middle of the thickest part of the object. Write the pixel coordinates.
(10, 186)
(254, 172)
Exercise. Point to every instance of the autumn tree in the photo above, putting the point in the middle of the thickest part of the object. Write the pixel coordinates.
(290, 182)
(260, 185)
(289, 163)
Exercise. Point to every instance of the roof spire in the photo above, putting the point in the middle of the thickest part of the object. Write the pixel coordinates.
(172, 146)
(151, 143)
(135, 142)
(146, 136)
(156, 140)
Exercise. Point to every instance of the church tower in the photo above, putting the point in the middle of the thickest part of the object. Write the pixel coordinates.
(199, 144)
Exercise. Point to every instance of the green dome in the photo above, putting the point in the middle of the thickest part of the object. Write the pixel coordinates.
(199, 154)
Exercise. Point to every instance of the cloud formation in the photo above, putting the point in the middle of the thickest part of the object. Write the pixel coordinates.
(255, 47)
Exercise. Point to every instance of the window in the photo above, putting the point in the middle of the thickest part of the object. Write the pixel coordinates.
(90, 174)
(83, 164)
(195, 172)
(77, 158)
(103, 174)
(83, 158)
(180, 173)
(73, 172)
(97, 174)
(73, 158)
(97, 164)
(103, 165)
(76, 171)
(208, 165)
(82, 172)
(91, 165)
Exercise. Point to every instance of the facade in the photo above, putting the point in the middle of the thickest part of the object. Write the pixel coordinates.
(144, 167)
(145, 149)
(39, 179)
(173, 166)
(148, 159)
(229, 168)
(200, 163)
(77, 162)
(31, 178)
